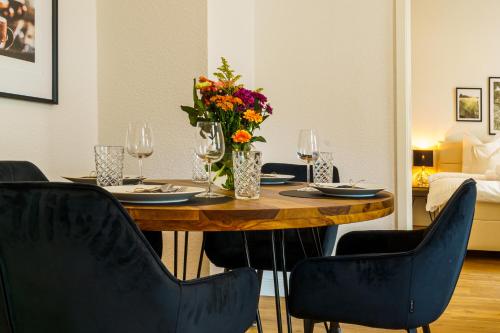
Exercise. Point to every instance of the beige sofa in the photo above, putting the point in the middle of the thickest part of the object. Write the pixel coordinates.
(486, 227)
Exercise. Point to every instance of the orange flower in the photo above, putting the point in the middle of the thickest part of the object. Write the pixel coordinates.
(253, 116)
(241, 136)
(225, 103)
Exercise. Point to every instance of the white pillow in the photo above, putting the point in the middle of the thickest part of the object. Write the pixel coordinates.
(478, 157)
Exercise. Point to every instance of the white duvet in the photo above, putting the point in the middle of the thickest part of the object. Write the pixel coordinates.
(443, 185)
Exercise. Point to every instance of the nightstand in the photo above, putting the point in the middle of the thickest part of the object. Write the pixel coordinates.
(419, 192)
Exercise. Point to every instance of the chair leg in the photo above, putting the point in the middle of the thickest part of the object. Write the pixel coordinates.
(308, 326)
(335, 328)
(426, 329)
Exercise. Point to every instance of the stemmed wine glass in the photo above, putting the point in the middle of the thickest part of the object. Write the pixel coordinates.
(139, 143)
(308, 151)
(209, 146)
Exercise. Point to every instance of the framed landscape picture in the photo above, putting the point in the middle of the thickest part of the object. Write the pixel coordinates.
(469, 104)
(28, 50)
(494, 106)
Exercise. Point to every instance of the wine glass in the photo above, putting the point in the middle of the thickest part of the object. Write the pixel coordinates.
(308, 151)
(209, 146)
(139, 143)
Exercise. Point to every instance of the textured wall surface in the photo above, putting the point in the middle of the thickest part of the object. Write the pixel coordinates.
(148, 56)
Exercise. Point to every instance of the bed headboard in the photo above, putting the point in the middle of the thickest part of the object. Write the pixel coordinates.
(449, 157)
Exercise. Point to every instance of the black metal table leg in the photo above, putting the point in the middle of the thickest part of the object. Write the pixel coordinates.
(247, 255)
(276, 283)
(301, 243)
(285, 281)
(176, 245)
(200, 261)
(184, 264)
(316, 242)
(320, 243)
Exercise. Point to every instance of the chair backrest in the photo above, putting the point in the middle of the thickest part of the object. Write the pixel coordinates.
(439, 258)
(298, 170)
(14, 171)
(71, 260)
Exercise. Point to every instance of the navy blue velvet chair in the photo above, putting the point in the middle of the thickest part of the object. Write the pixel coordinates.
(23, 171)
(72, 260)
(387, 279)
(18, 171)
(226, 249)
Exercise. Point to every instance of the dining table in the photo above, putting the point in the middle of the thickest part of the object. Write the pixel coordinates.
(273, 211)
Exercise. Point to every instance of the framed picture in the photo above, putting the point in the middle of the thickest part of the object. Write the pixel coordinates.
(28, 50)
(469, 104)
(494, 109)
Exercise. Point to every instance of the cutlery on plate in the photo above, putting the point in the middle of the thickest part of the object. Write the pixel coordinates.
(166, 188)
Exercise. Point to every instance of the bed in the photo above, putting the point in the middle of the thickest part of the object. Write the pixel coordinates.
(486, 227)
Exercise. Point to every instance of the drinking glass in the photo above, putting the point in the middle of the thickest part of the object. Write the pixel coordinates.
(323, 168)
(139, 143)
(247, 165)
(200, 172)
(209, 146)
(308, 151)
(109, 165)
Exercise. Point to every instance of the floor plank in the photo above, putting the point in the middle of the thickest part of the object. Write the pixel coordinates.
(475, 306)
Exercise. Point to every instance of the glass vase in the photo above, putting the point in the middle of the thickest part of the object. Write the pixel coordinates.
(224, 168)
(246, 167)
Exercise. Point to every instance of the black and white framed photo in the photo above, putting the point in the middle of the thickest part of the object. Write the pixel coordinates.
(494, 106)
(469, 104)
(28, 50)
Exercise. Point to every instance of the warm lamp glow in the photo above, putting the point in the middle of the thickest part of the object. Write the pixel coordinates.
(424, 143)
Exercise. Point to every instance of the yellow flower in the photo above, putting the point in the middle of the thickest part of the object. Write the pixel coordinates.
(253, 116)
(241, 136)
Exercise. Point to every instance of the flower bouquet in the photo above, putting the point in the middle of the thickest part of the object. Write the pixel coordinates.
(239, 111)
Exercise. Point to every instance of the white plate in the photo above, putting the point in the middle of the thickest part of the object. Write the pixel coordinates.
(274, 178)
(362, 190)
(126, 194)
(127, 180)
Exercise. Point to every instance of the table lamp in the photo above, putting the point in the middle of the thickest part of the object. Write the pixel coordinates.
(423, 158)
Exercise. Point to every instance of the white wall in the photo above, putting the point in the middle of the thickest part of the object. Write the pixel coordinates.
(330, 67)
(60, 138)
(148, 57)
(236, 41)
(455, 44)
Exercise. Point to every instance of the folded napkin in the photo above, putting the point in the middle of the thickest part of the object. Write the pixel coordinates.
(167, 188)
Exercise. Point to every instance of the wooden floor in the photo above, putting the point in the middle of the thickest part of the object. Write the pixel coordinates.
(475, 306)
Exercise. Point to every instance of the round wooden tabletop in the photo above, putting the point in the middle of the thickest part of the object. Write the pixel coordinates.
(271, 212)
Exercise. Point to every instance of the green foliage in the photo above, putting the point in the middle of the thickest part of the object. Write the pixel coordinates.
(225, 73)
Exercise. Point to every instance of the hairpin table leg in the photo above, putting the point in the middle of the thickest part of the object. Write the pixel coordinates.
(186, 245)
(285, 281)
(276, 283)
(176, 245)
(247, 254)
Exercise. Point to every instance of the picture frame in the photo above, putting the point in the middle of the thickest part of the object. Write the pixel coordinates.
(29, 51)
(494, 105)
(469, 105)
